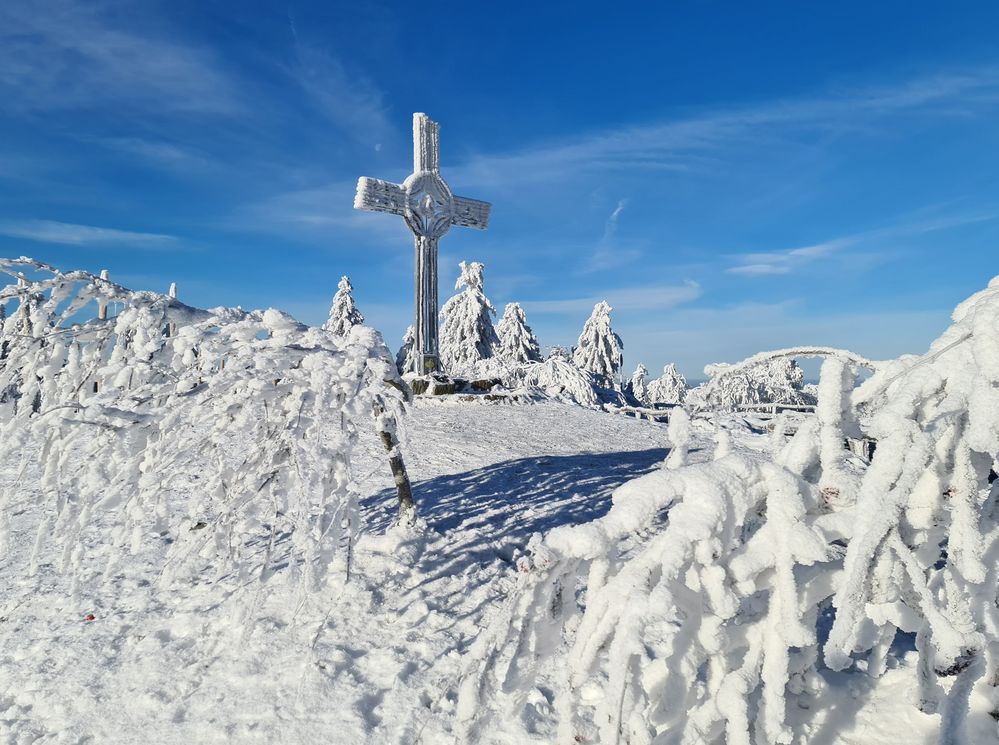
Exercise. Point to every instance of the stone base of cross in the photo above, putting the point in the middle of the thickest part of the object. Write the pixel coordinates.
(429, 208)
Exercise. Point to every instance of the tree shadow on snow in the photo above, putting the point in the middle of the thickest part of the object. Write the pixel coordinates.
(491, 512)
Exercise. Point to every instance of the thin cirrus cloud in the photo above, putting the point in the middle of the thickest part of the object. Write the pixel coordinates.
(348, 99)
(70, 234)
(689, 144)
(623, 299)
(762, 264)
(59, 55)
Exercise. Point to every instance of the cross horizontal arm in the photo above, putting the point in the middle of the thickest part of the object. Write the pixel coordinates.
(471, 213)
(376, 195)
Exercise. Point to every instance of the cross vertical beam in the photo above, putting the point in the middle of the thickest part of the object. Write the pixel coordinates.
(429, 208)
(427, 330)
(426, 144)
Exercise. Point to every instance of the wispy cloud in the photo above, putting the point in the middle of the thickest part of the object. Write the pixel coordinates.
(784, 262)
(169, 155)
(346, 97)
(609, 253)
(50, 231)
(623, 299)
(60, 55)
(693, 143)
(769, 263)
(319, 214)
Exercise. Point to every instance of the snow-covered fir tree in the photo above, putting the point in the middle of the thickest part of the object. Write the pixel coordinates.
(669, 388)
(405, 358)
(598, 350)
(467, 336)
(638, 388)
(517, 343)
(344, 314)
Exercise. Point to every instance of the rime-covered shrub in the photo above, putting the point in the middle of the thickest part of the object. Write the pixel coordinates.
(225, 435)
(775, 380)
(559, 379)
(691, 612)
(637, 388)
(668, 388)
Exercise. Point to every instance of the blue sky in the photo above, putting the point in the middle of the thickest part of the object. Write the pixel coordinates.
(730, 176)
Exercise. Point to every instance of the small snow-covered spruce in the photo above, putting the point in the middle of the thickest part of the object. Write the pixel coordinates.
(703, 627)
(229, 444)
(467, 336)
(598, 350)
(669, 388)
(517, 344)
(637, 388)
(405, 358)
(344, 314)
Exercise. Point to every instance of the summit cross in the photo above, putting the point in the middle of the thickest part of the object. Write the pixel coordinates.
(429, 209)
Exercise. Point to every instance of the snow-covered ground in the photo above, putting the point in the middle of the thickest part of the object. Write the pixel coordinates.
(378, 660)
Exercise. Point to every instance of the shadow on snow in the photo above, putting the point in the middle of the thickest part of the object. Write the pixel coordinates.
(492, 511)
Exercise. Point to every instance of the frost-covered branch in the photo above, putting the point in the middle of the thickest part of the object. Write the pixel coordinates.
(246, 420)
(690, 613)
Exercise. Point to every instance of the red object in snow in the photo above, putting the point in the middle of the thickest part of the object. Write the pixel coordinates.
(90, 616)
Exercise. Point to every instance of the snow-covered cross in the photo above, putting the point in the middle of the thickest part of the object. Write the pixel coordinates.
(430, 209)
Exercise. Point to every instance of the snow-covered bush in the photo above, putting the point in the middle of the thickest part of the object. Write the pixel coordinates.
(344, 314)
(694, 611)
(467, 336)
(517, 343)
(598, 350)
(669, 388)
(771, 380)
(228, 441)
(558, 378)
(638, 388)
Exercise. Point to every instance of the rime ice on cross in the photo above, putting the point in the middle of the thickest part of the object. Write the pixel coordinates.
(430, 209)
